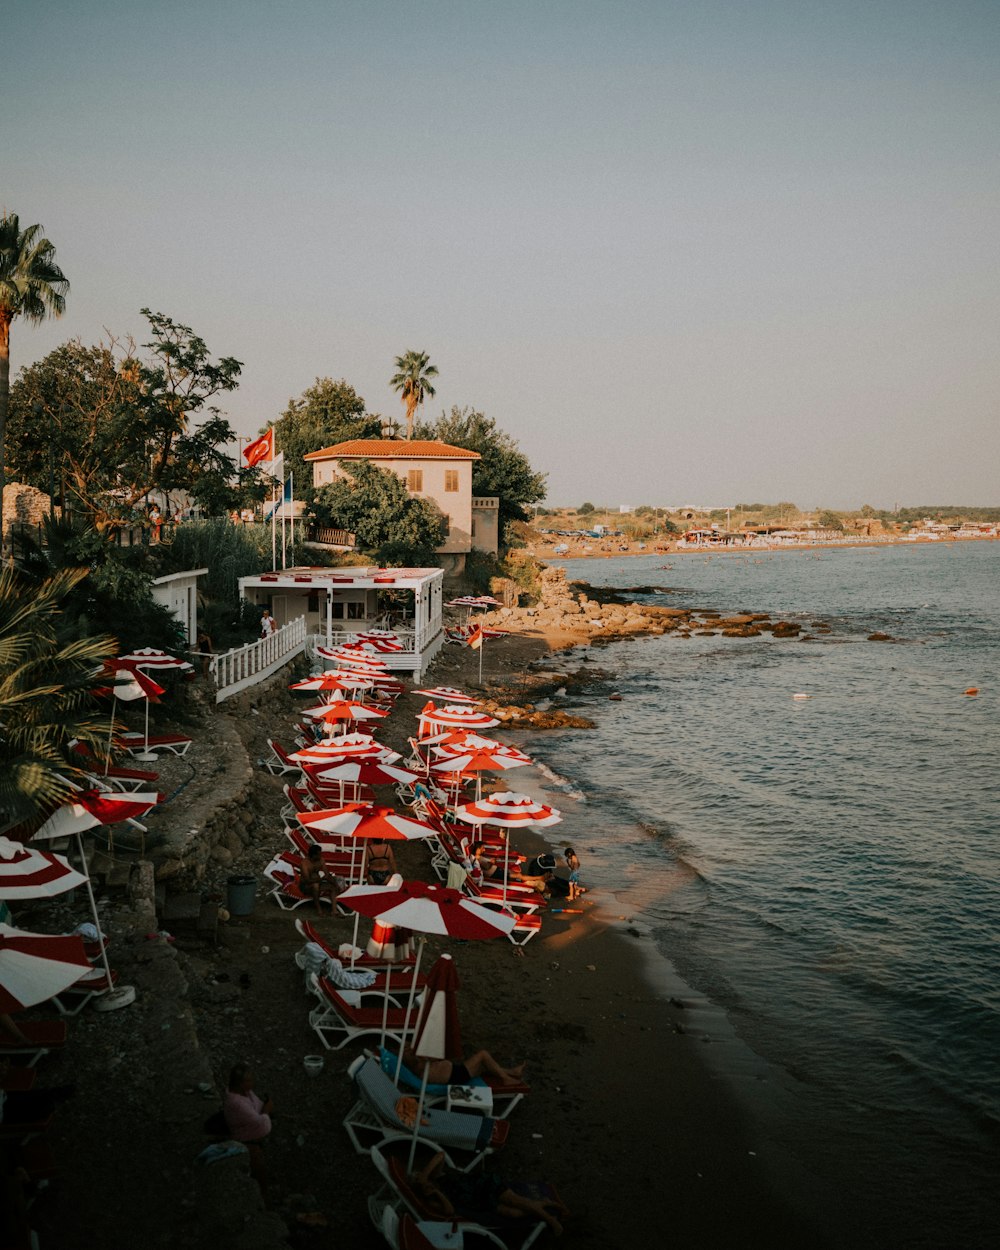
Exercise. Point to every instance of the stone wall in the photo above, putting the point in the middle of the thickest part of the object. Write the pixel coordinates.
(23, 505)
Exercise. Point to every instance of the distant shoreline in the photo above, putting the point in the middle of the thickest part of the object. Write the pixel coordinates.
(546, 553)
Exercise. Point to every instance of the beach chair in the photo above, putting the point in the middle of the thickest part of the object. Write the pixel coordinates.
(41, 1036)
(72, 1000)
(505, 1097)
(278, 763)
(283, 875)
(340, 1018)
(374, 1120)
(136, 743)
(308, 931)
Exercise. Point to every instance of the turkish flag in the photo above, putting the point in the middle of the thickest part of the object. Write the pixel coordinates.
(262, 449)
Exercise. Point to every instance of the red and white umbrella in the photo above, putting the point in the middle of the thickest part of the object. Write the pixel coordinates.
(508, 810)
(154, 661)
(365, 820)
(382, 640)
(34, 967)
(343, 710)
(475, 763)
(426, 909)
(346, 747)
(438, 1035)
(335, 679)
(129, 684)
(27, 872)
(354, 657)
(452, 716)
(448, 694)
(362, 772)
(89, 809)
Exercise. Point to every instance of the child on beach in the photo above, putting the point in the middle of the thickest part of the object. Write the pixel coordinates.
(573, 864)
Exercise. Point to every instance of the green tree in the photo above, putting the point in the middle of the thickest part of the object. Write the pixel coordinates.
(585, 509)
(325, 413)
(828, 520)
(47, 687)
(387, 522)
(502, 468)
(118, 426)
(412, 379)
(32, 286)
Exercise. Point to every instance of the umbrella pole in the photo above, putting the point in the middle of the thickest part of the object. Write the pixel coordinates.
(124, 994)
(416, 1122)
(409, 1004)
(354, 940)
(111, 734)
(385, 1006)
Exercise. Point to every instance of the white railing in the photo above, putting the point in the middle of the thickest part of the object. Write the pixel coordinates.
(245, 666)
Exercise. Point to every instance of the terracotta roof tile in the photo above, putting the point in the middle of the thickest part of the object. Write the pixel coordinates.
(394, 449)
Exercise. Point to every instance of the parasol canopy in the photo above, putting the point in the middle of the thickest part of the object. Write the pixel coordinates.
(27, 872)
(35, 966)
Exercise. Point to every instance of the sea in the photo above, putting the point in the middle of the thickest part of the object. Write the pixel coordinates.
(822, 873)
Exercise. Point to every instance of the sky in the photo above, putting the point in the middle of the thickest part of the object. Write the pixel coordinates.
(714, 252)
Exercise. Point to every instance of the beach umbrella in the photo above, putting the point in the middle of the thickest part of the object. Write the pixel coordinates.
(363, 772)
(448, 694)
(507, 810)
(335, 679)
(343, 710)
(383, 640)
(475, 763)
(354, 657)
(452, 716)
(346, 747)
(364, 821)
(467, 742)
(425, 909)
(152, 661)
(129, 684)
(27, 872)
(438, 1034)
(87, 810)
(34, 966)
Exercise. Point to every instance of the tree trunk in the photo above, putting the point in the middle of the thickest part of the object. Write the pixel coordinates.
(5, 320)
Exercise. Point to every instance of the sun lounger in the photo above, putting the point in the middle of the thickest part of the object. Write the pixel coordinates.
(282, 872)
(505, 1097)
(136, 743)
(278, 762)
(340, 1017)
(374, 1119)
(403, 1217)
(41, 1037)
(310, 933)
(75, 997)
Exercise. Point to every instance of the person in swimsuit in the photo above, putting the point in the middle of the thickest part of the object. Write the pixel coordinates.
(380, 863)
(447, 1194)
(445, 1072)
(315, 881)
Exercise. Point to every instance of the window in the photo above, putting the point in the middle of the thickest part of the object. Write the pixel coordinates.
(451, 479)
(356, 611)
(338, 611)
(415, 479)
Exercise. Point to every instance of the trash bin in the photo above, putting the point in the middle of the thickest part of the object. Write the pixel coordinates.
(241, 893)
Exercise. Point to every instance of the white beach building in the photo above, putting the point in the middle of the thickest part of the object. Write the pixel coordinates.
(337, 604)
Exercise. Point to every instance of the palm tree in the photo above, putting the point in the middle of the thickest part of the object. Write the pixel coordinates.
(47, 685)
(413, 383)
(31, 286)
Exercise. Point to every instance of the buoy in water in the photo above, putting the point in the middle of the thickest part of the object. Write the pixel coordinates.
(801, 696)
(972, 690)
(615, 698)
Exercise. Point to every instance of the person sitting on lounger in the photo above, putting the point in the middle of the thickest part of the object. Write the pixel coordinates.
(448, 1194)
(445, 1072)
(380, 862)
(247, 1116)
(314, 880)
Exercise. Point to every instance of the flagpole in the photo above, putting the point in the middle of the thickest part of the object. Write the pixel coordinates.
(482, 648)
(284, 562)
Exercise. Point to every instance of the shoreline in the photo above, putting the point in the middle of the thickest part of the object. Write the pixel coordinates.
(675, 549)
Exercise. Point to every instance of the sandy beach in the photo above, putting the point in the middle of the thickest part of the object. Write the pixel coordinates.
(626, 1117)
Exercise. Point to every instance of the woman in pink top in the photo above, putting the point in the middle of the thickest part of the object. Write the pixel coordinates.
(247, 1116)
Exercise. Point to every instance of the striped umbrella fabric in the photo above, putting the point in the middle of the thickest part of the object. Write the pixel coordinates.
(344, 710)
(150, 658)
(475, 763)
(27, 872)
(472, 746)
(448, 694)
(354, 657)
(35, 966)
(363, 773)
(335, 679)
(90, 808)
(382, 640)
(453, 716)
(427, 909)
(339, 750)
(365, 820)
(438, 1034)
(508, 810)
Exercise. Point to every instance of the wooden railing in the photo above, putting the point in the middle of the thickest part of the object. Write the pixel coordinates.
(332, 537)
(242, 667)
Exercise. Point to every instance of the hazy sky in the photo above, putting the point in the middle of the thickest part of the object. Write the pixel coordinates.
(693, 251)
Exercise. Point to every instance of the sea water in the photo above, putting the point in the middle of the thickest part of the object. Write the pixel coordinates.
(824, 870)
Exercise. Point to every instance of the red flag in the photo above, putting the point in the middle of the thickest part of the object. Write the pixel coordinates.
(475, 639)
(262, 449)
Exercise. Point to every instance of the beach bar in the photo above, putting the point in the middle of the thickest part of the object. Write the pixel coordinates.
(341, 604)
